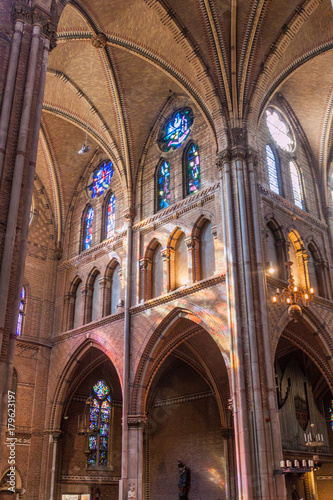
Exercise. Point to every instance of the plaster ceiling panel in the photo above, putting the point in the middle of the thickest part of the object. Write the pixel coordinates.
(61, 93)
(144, 91)
(68, 166)
(72, 21)
(308, 91)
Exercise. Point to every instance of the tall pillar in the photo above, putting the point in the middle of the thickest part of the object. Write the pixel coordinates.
(136, 425)
(19, 131)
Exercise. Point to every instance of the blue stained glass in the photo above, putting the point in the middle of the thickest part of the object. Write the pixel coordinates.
(99, 425)
(21, 312)
(110, 216)
(176, 130)
(163, 186)
(296, 185)
(101, 179)
(94, 412)
(92, 458)
(272, 170)
(88, 226)
(92, 443)
(193, 169)
(104, 430)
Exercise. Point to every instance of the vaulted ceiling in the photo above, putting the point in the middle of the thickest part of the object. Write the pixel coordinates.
(228, 56)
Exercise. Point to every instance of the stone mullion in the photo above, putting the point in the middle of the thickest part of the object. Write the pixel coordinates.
(105, 285)
(190, 245)
(86, 292)
(165, 252)
(324, 275)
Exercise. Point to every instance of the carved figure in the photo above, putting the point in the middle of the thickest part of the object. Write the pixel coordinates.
(183, 482)
(131, 492)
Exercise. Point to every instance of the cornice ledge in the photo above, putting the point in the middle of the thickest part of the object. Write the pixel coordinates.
(178, 209)
(106, 246)
(177, 294)
(88, 327)
(282, 201)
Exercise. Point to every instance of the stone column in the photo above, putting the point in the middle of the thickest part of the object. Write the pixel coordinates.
(166, 258)
(20, 125)
(105, 284)
(136, 425)
(190, 245)
(54, 438)
(230, 465)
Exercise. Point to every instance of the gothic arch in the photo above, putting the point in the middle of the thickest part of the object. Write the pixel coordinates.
(163, 341)
(68, 370)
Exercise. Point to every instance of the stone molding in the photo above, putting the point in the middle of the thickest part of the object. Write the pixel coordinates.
(183, 399)
(289, 205)
(90, 479)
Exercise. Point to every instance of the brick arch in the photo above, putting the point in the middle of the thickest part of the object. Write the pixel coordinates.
(165, 339)
(68, 382)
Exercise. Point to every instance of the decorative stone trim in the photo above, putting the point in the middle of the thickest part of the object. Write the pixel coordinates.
(90, 479)
(136, 420)
(179, 293)
(178, 209)
(288, 205)
(183, 399)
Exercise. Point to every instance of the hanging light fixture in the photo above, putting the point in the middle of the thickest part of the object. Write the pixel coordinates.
(85, 148)
(294, 296)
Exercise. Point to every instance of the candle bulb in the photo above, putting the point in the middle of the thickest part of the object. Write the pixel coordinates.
(303, 463)
(282, 463)
(288, 463)
(305, 438)
(322, 438)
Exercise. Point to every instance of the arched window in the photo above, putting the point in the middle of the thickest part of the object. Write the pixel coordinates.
(163, 185)
(295, 267)
(280, 129)
(99, 425)
(157, 273)
(272, 169)
(101, 179)
(88, 228)
(192, 169)
(273, 261)
(296, 183)
(96, 298)
(115, 289)
(313, 277)
(77, 317)
(21, 314)
(176, 130)
(207, 252)
(110, 216)
(181, 265)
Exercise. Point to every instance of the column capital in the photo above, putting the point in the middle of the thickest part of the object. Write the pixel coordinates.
(138, 421)
(190, 242)
(223, 157)
(143, 264)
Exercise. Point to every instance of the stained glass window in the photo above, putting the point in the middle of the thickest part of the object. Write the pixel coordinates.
(296, 185)
(272, 170)
(279, 130)
(21, 312)
(110, 216)
(99, 424)
(193, 169)
(176, 130)
(163, 185)
(101, 179)
(88, 227)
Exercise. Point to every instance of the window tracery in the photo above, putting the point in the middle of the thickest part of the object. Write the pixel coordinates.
(296, 184)
(101, 179)
(163, 185)
(99, 424)
(272, 169)
(110, 216)
(176, 129)
(280, 130)
(21, 313)
(88, 228)
(193, 176)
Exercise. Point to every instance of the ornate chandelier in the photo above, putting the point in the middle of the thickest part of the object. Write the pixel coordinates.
(293, 295)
